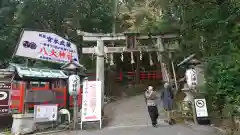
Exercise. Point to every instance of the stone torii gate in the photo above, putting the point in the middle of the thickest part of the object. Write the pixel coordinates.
(100, 50)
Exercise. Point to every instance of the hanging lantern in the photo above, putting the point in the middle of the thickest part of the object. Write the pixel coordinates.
(122, 57)
(141, 55)
(132, 58)
(111, 59)
(150, 59)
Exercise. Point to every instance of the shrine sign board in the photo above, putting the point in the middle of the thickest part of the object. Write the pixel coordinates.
(91, 101)
(45, 113)
(5, 88)
(46, 46)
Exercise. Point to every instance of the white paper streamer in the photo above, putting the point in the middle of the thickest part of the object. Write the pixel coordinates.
(122, 57)
(158, 56)
(106, 58)
(132, 58)
(111, 59)
(141, 56)
(92, 57)
(150, 59)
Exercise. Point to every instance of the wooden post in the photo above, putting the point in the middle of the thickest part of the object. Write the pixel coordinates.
(194, 113)
(21, 104)
(138, 62)
(174, 72)
(27, 84)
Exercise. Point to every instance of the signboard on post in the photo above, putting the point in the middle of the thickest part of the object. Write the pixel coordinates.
(91, 101)
(201, 107)
(5, 87)
(46, 46)
(73, 85)
(45, 113)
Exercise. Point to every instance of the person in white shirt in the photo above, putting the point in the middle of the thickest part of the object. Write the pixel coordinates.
(150, 98)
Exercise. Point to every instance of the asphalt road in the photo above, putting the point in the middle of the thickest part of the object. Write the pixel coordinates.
(130, 117)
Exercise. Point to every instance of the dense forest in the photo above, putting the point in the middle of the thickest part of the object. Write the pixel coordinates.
(209, 28)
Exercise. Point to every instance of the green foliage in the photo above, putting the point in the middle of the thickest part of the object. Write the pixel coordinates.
(62, 17)
(145, 16)
(7, 10)
(211, 30)
(223, 82)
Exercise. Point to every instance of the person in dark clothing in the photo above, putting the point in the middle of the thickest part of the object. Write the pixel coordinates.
(150, 97)
(167, 99)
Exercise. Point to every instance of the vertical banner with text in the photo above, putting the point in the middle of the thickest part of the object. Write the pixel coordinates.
(165, 74)
(91, 101)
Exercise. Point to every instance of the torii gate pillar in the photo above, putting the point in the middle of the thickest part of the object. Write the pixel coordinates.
(100, 67)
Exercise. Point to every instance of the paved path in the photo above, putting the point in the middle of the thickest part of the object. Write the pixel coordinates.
(130, 117)
(144, 130)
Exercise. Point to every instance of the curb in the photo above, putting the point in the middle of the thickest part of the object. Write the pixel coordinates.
(217, 128)
(48, 132)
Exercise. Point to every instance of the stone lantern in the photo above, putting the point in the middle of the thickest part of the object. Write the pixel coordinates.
(193, 78)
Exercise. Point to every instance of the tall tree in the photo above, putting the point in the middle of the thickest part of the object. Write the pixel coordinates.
(210, 28)
(62, 17)
(7, 10)
(145, 16)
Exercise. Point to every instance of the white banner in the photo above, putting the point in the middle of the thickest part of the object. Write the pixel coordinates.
(44, 113)
(46, 46)
(191, 77)
(91, 101)
(165, 75)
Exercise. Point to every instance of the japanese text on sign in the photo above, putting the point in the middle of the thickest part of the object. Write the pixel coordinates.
(4, 85)
(3, 111)
(44, 113)
(91, 101)
(4, 101)
(191, 78)
(73, 85)
(46, 46)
